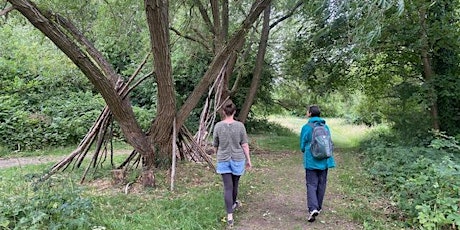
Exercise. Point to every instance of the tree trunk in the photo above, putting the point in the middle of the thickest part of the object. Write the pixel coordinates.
(257, 74)
(428, 71)
(94, 66)
(227, 92)
(161, 129)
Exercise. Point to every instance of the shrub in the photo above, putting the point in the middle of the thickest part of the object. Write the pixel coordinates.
(258, 126)
(47, 206)
(57, 121)
(422, 181)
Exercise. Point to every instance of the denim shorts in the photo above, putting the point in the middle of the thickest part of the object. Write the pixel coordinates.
(233, 167)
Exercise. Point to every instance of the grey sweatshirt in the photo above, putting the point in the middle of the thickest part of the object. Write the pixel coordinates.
(228, 138)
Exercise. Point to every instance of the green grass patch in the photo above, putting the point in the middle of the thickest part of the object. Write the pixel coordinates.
(344, 135)
(274, 142)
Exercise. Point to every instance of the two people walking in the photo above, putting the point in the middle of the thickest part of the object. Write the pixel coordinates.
(230, 141)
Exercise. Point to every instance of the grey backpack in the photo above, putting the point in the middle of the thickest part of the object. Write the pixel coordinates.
(321, 144)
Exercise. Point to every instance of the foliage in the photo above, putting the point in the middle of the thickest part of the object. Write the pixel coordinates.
(409, 82)
(316, 63)
(423, 181)
(445, 142)
(264, 126)
(55, 204)
(373, 50)
(448, 101)
(53, 122)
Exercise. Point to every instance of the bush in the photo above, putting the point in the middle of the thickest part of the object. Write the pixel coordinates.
(56, 122)
(48, 206)
(422, 181)
(263, 126)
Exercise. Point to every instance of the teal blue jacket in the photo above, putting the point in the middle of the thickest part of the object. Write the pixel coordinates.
(305, 140)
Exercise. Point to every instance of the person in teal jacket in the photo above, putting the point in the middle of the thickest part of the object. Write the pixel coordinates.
(315, 170)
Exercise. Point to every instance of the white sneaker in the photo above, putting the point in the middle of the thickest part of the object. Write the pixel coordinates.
(313, 215)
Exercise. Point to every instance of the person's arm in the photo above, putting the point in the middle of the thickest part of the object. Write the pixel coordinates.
(303, 133)
(305, 137)
(215, 140)
(245, 147)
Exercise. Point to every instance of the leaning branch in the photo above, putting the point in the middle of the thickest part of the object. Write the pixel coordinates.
(6, 11)
(89, 47)
(288, 15)
(178, 33)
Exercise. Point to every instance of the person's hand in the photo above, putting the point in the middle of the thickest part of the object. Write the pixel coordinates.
(248, 164)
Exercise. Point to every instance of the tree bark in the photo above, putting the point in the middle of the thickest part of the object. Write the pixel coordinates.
(161, 129)
(257, 74)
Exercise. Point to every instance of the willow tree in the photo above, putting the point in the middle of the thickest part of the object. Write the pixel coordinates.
(154, 146)
(417, 41)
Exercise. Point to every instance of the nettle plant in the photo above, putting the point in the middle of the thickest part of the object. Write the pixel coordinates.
(423, 181)
(54, 204)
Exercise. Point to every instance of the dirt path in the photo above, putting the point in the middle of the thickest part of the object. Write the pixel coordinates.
(20, 161)
(284, 207)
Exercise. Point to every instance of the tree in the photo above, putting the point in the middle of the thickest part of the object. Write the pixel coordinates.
(392, 50)
(155, 145)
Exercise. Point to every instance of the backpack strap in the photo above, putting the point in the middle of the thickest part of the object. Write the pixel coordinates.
(314, 124)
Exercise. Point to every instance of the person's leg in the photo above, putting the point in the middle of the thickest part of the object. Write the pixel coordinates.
(236, 180)
(322, 182)
(228, 191)
(312, 200)
(312, 185)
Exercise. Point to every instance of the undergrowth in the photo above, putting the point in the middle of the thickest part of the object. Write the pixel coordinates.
(422, 180)
(54, 204)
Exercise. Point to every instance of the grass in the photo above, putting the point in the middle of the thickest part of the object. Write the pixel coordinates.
(344, 135)
(196, 202)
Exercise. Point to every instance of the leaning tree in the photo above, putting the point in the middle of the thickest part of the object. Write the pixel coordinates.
(152, 148)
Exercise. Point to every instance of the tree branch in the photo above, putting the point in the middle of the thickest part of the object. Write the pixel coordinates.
(288, 15)
(219, 60)
(106, 67)
(6, 11)
(86, 62)
(205, 16)
(178, 33)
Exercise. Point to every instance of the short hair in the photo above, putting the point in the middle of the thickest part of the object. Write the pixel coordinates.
(229, 108)
(314, 111)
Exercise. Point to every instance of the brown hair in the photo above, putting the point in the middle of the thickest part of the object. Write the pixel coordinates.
(229, 108)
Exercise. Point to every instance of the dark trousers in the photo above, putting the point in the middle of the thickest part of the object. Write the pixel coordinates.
(230, 190)
(316, 181)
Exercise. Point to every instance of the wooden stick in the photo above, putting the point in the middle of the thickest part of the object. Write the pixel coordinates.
(173, 166)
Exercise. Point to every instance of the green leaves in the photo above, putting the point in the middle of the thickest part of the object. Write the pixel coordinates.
(422, 180)
(49, 206)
